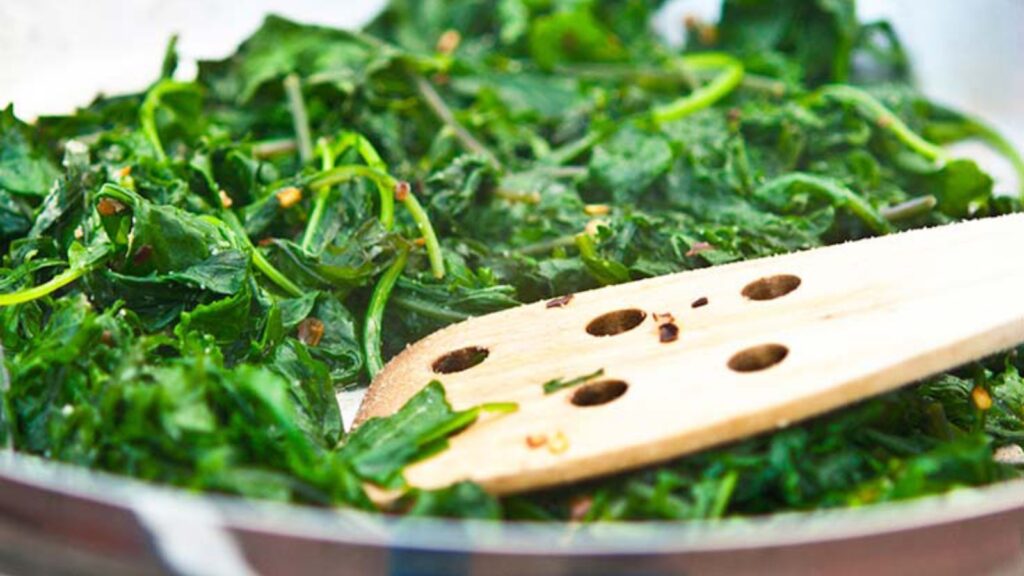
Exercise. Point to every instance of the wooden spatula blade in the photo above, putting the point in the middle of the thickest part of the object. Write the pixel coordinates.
(695, 359)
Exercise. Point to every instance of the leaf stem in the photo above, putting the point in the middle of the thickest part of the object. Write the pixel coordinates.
(56, 283)
(419, 216)
(884, 118)
(300, 119)
(838, 194)
(348, 172)
(273, 273)
(444, 113)
(718, 88)
(375, 314)
(730, 75)
(322, 195)
(909, 209)
(576, 148)
(230, 221)
(147, 113)
(270, 148)
(369, 155)
(385, 182)
(428, 309)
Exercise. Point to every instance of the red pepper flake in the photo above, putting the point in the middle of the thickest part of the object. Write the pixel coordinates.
(702, 301)
(560, 302)
(402, 190)
(668, 332)
(421, 241)
(265, 241)
(142, 254)
(311, 330)
(536, 440)
(225, 200)
(698, 248)
(579, 507)
(124, 172)
(449, 42)
(110, 207)
(107, 338)
(288, 197)
(664, 317)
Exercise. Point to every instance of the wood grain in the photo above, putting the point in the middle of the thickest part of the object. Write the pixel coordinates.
(866, 317)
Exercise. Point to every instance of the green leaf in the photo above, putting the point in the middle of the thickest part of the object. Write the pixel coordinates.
(572, 36)
(25, 168)
(279, 47)
(167, 240)
(381, 447)
(630, 163)
(960, 187)
(460, 500)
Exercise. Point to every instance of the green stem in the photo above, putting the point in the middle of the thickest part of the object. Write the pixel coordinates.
(444, 113)
(429, 309)
(147, 113)
(349, 172)
(884, 118)
(274, 274)
(603, 270)
(297, 107)
(230, 221)
(375, 314)
(576, 148)
(720, 87)
(322, 195)
(385, 182)
(838, 194)
(369, 155)
(419, 216)
(586, 245)
(56, 283)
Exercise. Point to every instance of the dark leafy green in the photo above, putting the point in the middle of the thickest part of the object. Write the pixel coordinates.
(188, 275)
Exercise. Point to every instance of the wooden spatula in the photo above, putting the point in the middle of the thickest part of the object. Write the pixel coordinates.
(654, 369)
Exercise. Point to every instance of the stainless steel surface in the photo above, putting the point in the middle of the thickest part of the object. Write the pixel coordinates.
(61, 520)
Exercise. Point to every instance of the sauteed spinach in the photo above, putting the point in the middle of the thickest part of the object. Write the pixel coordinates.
(190, 273)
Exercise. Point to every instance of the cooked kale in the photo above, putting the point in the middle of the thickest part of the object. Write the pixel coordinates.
(189, 274)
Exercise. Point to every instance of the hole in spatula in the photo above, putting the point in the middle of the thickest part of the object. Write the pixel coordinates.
(616, 322)
(771, 287)
(599, 393)
(758, 357)
(459, 360)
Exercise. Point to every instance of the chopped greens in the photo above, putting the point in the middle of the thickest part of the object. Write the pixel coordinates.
(189, 274)
(552, 386)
